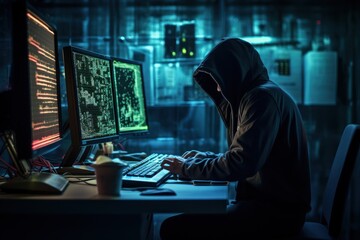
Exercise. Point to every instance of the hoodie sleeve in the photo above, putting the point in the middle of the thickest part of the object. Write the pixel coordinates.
(257, 127)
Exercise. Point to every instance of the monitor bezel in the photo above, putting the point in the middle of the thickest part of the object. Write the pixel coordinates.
(20, 90)
(131, 132)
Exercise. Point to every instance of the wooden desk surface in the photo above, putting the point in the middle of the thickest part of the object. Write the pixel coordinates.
(84, 199)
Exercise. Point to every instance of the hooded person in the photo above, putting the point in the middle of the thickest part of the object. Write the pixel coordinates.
(267, 152)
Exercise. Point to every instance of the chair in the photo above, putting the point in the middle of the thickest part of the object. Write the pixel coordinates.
(337, 188)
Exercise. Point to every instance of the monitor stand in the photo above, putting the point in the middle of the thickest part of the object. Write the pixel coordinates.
(27, 181)
(36, 182)
(77, 154)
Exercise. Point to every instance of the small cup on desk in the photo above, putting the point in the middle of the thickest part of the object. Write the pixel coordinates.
(108, 174)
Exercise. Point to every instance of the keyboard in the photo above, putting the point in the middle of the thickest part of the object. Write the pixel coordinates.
(146, 173)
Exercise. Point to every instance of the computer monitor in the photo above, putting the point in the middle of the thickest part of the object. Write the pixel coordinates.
(91, 105)
(130, 97)
(33, 101)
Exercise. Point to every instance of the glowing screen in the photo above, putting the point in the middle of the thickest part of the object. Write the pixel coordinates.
(129, 93)
(43, 83)
(94, 96)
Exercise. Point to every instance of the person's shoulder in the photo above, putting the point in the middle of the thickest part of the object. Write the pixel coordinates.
(268, 86)
(274, 92)
(268, 91)
(265, 89)
(271, 88)
(258, 94)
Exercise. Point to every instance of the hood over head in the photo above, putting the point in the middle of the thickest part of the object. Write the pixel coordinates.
(236, 66)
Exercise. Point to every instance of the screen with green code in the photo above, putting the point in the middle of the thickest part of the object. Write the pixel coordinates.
(130, 96)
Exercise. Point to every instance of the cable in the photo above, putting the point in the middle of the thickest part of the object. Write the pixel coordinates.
(121, 143)
(41, 162)
(10, 169)
(81, 180)
(3, 148)
(7, 164)
(8, 144)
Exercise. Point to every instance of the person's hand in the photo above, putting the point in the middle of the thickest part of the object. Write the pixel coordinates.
(194, 153)
(173, 164)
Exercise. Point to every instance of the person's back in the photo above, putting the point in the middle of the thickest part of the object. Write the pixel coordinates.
(283, 176)
(267, 153)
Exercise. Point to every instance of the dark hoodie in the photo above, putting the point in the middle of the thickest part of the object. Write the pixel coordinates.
(267, 147)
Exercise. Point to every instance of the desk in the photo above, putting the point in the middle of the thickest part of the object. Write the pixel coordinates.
(80, 209)
(82, 199)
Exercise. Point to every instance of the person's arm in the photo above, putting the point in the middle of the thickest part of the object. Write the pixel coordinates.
(199, 154)
(258, 124)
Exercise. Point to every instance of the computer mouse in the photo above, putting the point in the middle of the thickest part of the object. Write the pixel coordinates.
(158, 192)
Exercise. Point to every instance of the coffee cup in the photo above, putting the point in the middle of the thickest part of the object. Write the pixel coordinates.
(109, 174)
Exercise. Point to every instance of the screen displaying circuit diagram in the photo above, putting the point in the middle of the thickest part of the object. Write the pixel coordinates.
(130, 97)
(94, 96)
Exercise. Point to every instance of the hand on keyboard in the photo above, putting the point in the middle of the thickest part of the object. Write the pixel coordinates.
(194, 153)
(147, 172)
(173, 164)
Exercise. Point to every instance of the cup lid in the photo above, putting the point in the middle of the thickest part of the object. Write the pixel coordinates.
(103, 160)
